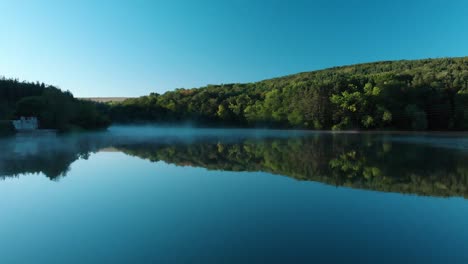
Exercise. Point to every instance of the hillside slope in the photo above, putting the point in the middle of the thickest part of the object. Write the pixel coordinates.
(430, 94)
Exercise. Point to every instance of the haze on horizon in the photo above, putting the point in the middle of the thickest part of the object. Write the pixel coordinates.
(133, 48)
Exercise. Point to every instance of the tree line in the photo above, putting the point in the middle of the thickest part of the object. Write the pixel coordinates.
(430, 94)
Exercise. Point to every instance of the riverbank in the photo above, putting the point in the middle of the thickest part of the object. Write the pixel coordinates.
(37, 132)
(7, 129)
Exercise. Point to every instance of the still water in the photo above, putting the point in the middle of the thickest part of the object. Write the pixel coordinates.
(180, 195)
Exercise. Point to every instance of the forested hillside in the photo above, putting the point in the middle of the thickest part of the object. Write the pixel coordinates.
(54, 108)
(429, 94)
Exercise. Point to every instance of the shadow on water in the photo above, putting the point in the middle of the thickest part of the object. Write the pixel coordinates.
(423, 165)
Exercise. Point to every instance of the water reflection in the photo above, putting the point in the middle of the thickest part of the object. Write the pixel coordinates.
(47, 154)
(390, 163)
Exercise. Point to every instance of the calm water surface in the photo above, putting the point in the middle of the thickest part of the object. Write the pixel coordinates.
(161, 195)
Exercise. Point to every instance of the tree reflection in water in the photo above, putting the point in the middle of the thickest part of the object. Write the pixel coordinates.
(365, 161)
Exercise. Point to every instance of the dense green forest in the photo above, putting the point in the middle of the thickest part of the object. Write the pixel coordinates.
(429, 94)
(54, 108)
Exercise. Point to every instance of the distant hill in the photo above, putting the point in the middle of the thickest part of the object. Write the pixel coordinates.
(105, 99)
(429, 94)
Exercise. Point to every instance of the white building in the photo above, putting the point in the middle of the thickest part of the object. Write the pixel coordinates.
(26, 123)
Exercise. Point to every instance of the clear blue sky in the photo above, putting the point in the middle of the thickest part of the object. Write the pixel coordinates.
(132, 48)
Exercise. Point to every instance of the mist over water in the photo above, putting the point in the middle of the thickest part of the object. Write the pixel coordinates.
(188, 133)
(32, 143)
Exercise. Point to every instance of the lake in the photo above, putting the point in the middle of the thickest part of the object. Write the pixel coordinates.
(182, 195)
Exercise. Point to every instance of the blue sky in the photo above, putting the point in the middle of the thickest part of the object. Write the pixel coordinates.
(132, 48)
